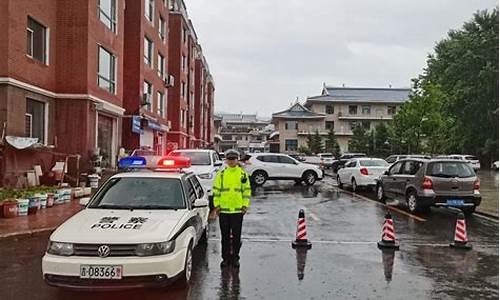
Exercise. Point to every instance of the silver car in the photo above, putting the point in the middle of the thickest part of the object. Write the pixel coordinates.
(422, 183)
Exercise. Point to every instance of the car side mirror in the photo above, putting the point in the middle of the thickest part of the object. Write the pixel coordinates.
(199, 203)
(386, 173)
(84, 201)
(218, 163)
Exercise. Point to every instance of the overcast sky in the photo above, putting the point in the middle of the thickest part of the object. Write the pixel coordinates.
(265, 53)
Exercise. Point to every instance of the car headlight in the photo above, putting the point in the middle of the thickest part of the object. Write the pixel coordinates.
(206, 176)
(58, 248)
(151, 249)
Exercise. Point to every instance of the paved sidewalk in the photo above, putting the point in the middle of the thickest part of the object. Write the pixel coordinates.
(44, 220)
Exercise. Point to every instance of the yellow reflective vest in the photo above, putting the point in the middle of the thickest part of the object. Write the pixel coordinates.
(232, 190)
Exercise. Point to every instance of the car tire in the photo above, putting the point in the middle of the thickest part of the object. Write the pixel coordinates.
(469, 210)
(259, 177)
(412, 201)
(354, 185)
(204, 237)
(339, 183)
(185, 278)
(309, 177)
(380, 193)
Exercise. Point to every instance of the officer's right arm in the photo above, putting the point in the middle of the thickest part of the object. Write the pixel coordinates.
(217, 189)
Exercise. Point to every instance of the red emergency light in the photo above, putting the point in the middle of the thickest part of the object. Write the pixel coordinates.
(174, 162)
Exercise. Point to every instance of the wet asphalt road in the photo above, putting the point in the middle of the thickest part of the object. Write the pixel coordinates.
(344, 262)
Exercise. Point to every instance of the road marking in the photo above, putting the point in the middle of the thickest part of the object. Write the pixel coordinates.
(314, 217)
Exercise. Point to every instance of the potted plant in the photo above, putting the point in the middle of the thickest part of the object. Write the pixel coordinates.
(22, 202)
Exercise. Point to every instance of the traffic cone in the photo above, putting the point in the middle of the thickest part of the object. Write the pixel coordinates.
(461, 240)
(388, 235)
(301, 236)
(301, 256)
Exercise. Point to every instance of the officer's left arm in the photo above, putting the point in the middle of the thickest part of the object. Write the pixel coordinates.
(246, 190)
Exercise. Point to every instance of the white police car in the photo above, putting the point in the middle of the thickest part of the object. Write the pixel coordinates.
(138, 230)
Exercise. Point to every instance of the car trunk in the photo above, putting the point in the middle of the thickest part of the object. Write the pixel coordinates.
(452, 178)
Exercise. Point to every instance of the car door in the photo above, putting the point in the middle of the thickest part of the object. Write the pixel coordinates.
(406, 177)
(389, 181)
(271, 165)
(288, 167)
(347, 171)
(196, 191)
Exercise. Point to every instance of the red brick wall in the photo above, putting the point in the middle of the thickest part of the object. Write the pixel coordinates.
(174, 67)
(4, 38)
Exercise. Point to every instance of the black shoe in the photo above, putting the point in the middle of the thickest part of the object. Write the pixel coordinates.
(224, 264)
(236, 263)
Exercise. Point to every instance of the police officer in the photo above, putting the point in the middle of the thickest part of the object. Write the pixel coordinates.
(231, 201)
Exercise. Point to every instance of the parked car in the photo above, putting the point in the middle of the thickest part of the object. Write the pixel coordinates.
(298, 157)
(204, 163)
(361, 172)
(474, 161)
(326, 159)
(276, 166)
(394, 158)
(422, 183)
(495, 165)
(344, 158)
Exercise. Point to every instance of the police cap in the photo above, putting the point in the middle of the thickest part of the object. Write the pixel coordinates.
(232, 154)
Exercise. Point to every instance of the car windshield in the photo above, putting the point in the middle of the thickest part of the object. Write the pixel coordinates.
(140, 193)
(373, 163)
(450, 169)
(470, 157)
(197, 158)
(326, 155)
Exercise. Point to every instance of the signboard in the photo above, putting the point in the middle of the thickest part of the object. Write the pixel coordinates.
(154, 125)
(136, 124)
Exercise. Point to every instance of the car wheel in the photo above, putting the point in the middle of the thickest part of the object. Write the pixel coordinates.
(469, 210)
(339, 183)
(259, 177)
(309, 177)
(204, 236)
(411, 201)
(188, 267)
(380, 193)
(354, 185)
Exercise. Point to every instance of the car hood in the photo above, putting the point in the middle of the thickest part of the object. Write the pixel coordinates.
(118, 226)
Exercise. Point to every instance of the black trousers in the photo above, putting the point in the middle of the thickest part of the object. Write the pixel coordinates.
(231, 223)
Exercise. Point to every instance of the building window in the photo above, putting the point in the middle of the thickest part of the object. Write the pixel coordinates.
(165, 3)
(366, 125)
(106, 72)
(35, 120)
(107, 13)
(354, 124)
(183, 62)
(183, 89)
(148, 94)
(291, 145)
(161, 66)
(291, 125)
(391, 109)
(184, 35)
(329, 109)
(161, 104)
(353, 109)
(149, 9)
(162, 28)
(329, 125)
(37, 41)
(148, 51)
(365, 109)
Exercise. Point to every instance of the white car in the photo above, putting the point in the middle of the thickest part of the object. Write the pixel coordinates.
(474, 161)
(361, 172)
(275, 166)
(326, 159)
(138, 230)
(204, 163)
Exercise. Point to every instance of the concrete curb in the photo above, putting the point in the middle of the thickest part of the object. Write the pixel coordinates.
(26, 233)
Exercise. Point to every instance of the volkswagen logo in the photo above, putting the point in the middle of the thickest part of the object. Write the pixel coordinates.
(103, 251)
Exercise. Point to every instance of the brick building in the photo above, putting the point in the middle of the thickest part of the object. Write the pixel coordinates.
(80, 75)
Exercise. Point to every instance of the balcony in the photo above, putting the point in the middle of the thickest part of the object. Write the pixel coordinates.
(374, 117)
(312, 132)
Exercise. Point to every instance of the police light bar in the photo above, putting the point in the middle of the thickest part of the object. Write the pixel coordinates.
(174, 162)
(132, 162)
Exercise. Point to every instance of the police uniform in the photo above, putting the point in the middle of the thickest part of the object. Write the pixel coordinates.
(231, 197)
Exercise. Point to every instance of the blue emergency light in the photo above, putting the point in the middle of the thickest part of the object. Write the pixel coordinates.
(132, 162)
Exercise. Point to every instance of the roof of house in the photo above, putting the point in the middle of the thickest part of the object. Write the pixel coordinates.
(350, 94)
(297, 111)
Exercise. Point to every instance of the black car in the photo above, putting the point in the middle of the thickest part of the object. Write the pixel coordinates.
(337, 164)
(298, 157)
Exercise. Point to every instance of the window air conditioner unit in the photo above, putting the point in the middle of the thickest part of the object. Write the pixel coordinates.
(146, 99)
(169, 80)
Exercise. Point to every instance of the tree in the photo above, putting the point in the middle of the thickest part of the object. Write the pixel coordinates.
(359, 141)
(314, 143)
(304, 149)
(382, 146)
(331, 144)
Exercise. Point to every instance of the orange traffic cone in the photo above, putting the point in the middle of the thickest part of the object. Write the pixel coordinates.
(461, 241)
(301, 235)
(388, 234)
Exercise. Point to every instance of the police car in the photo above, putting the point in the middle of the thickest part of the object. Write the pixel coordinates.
(138, 230)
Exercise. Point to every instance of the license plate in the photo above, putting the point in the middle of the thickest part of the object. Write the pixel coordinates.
(455, 202)
(101, 272)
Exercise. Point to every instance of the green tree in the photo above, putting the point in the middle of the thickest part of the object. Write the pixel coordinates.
(331, 144)
(382, 140)
(315, 143)
(359, 141)
(304, 149)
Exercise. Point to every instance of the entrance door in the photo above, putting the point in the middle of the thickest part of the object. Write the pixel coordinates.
(105, 139)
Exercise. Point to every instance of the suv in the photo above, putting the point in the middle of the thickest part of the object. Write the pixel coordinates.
(265, 166)
(424, 183)
(326, 159)
(344, 159)
(394, 158)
